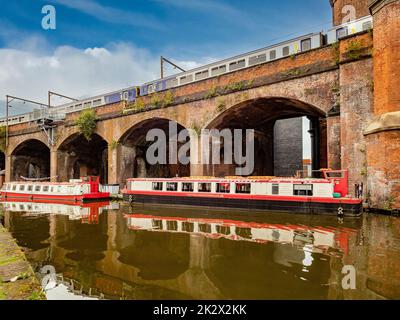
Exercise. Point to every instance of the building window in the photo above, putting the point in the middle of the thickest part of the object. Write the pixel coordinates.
(187, 187)
(303, 189)
(285, 51)
(157, 186)
(275, 188)
(204, 187)
(223, 187)
(172, 186)
(305, 45)
(243, 188)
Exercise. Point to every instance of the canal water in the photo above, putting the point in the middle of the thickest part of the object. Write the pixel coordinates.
(116, 251)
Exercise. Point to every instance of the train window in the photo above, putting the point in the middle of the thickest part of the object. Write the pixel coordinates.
(96, 103)
(218, 70)
(172, 225)
(275, 188)
(172, 186)
(237, 65)
(157, 186)
(87, 104)
(201, 75)
(285, 51)
(223, 187)
(186, 79)
(204, 187)
(125, 96)
(187, 226)
(272, 55)
(257, 59)
(243, 188)
(305, 45)
(187, 187)
(78, 106)
(342, 32)
(172, 83)
(151, 88)
(367, 25)
(205, 228)
(303, 189)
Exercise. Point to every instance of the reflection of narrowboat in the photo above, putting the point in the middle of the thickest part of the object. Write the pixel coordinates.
(79, 190)
(318, 239)
(328, 195)
(86, 212)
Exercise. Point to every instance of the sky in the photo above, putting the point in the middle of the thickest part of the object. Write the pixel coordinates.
(103, 45)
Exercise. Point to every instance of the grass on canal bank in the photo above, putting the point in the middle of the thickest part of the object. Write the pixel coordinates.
(17, 279)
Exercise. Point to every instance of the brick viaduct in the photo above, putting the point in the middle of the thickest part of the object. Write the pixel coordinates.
(349, 91)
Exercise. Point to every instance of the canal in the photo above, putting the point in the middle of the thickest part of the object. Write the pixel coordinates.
(116, 251)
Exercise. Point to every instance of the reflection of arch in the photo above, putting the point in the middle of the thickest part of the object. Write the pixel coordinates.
(133, 147)
(79, 157)
(261, 114)
(2, 161)
(31, 159)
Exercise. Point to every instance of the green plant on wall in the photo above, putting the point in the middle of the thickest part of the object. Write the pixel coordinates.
(354, 50)
(114, 144)
(87, 123)
(389, 202)
(3, 139)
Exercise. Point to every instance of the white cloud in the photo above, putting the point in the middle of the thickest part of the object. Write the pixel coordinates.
(77, 72)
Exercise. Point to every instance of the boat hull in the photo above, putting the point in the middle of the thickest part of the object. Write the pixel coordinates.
(325, 207)
(54, 197)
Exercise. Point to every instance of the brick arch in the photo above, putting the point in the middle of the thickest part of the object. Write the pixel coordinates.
(15, 142)
(70, 133)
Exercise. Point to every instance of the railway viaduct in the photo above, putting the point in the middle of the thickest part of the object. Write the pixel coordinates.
(349, 91)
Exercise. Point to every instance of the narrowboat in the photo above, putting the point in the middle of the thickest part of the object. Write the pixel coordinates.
(327, 195)
(77, 190)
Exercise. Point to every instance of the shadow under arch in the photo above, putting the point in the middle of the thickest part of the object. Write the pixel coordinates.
(262, 115)
(78, 157)
(30, 159)
(133, 145)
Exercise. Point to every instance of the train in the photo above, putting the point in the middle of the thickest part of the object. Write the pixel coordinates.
(271, 53)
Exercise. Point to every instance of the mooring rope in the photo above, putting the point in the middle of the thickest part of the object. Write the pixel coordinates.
(37, 179)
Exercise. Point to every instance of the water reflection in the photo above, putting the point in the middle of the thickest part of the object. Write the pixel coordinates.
(161, 253)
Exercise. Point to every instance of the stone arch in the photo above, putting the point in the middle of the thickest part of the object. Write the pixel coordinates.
(264, 115)
(30, 159)
(77, 157)
(132, 148)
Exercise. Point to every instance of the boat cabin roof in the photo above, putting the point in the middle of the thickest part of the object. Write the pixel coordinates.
(234, 180)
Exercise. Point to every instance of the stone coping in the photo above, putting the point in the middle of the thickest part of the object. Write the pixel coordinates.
(385, 122)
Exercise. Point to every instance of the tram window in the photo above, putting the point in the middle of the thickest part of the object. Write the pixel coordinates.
(172, 186)
(342, 32)
(205, 228)
(285, 51)
(187, 187)
(172, 225)
(303, 190)
(157, 186)
(204, 187)
(37, 188)
(305, 45)
(187, 226)
(275, 188)
(243, 188)
(30, 188)
(223, 187)
(21, 187)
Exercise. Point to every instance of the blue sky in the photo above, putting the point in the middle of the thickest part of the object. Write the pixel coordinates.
(104, 45)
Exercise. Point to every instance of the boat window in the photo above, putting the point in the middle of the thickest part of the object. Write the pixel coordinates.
(205, 228)
(37, 188)
(224, 230)
(21, 187)
(46, 188)
(157, 224)
(243, 188)
(52, 189)
(244, 232)
(187, 226)
(223, 187)
(30, 188)
(275, 188)
(204, 187)
(285, 51)
(157, 186)
(172, 186)
(172, 225)
(187, 187)
(305, 45)
(14, 187)
(303, 189)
